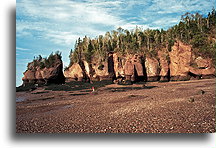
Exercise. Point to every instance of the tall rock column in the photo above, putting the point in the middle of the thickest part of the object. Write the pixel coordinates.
(164, 65)
(118, 66)
(152, 69)
(180, 59)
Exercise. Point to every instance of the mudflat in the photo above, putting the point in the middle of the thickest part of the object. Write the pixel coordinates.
(154, 107)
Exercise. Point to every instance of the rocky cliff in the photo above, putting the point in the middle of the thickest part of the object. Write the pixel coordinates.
(44, 71)
(182, 52)
(185, 65)
(178, 64)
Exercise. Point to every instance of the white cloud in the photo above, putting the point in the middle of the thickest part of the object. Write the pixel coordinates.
(48, 15)
(180, 6)
(64, 21)
(23, 62)
(66, 10)
(22, 49)
(61, 37)
(166, 21)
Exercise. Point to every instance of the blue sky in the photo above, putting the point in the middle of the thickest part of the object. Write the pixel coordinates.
(45, 26)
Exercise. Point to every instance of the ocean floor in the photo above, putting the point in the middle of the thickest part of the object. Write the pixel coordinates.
(154, 107)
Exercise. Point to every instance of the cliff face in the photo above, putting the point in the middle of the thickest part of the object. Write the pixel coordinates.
(184, 65)
(164, 65)
(178, 64)
(182, 52)
(74, 72)
(180, 59)
(202, 67)
(36, 74)
(152, 68)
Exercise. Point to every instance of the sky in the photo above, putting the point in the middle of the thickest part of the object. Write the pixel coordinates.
(46, 26)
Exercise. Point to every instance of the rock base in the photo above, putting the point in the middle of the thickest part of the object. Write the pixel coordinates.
(207, 76)
(107, 78)
(153, 78)
(164, 79)
(180, 78)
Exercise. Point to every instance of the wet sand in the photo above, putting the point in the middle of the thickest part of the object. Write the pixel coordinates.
(171, 107)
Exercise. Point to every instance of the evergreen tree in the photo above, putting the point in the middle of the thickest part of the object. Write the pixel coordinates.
(194, 29)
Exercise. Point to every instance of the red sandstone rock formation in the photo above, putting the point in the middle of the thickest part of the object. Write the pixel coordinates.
(152, 68)
(181, 59)
(74, 72)
(173, 65)
(164, 65)
(36, 75)
(118, 65)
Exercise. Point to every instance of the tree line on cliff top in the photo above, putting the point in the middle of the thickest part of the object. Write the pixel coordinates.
(44, 62)
(193, 29)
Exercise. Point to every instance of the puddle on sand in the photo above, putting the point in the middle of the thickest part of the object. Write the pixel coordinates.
(20, 99)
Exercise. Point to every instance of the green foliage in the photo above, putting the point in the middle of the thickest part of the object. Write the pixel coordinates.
(193, 29)
(44, 62)
(151, 53)
(170, 44)
(42, 65)
(208, 52)
(50, 60)
(88, 54)
(199, 40)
